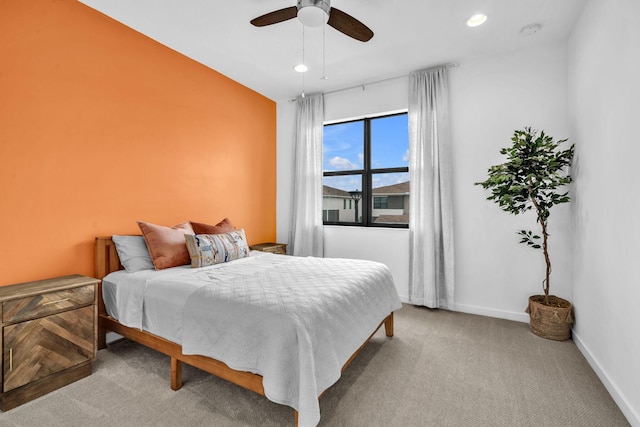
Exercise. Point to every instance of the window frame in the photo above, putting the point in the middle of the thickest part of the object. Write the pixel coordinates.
(367, 175)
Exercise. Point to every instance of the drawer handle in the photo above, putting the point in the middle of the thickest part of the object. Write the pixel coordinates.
(56, 301)
(10, 359)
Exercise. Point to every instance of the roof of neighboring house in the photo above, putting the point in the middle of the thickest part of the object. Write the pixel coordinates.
(401, 188)
(330, 191)
(393, 219)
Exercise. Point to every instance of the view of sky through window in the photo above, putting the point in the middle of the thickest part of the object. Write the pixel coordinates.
(343, 149)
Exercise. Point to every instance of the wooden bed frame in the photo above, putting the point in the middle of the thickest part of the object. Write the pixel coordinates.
(107, 261)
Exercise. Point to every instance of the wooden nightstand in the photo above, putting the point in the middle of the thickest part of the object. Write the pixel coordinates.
(274, 248)
(49, 333)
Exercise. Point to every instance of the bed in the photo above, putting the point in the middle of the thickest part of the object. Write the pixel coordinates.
(299, 323)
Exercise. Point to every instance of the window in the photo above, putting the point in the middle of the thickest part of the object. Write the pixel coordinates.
(330, 215)
(380, 202)
(366, 162)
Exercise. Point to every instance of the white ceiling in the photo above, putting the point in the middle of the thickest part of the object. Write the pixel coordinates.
(409, 35)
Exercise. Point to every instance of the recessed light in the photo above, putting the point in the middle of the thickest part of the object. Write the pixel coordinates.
(301, 68)
(476, 20)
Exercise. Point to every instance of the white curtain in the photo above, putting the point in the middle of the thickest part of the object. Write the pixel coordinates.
(306, 238)
(431, 281)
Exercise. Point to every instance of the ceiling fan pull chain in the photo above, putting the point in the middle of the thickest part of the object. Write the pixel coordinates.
(303, 60)
(324, 74)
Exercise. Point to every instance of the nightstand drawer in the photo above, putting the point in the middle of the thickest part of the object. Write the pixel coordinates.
(282, 250)
(41, 305)
(62, 341)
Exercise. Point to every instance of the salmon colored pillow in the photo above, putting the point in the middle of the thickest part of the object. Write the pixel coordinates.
(222, 227)
(166, 245)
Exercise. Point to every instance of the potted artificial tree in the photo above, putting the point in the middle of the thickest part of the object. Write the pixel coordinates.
(531, 179)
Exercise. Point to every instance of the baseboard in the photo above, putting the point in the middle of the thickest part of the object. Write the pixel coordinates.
(629, 412)
(500, 314)
(483, 311)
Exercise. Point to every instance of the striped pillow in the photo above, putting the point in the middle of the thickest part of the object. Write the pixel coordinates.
(209, 249)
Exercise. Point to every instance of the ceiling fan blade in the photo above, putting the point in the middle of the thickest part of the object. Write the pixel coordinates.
(275, 17)
(349, 25)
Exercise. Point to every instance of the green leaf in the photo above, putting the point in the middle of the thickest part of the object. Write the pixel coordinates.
(532, 177)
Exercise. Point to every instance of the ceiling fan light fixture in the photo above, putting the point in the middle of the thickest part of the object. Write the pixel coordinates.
(477, 19)
(313, 13)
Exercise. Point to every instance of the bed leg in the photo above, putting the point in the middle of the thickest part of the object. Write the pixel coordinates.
(102, 337)
(102, 331)
(176, 374)
(388, 325)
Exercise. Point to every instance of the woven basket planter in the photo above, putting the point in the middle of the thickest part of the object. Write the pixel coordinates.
(551, 321)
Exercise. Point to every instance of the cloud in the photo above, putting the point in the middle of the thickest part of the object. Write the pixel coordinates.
(335, 138)
(342, 164)
(346, 183)
(406, 157)
(384, 179)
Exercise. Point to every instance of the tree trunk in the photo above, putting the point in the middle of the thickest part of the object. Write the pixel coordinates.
(548, 261)
(545, 249)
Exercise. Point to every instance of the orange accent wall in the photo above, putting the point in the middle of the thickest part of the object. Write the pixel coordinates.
(101, 126)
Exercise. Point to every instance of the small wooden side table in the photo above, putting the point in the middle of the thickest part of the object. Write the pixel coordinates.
(274, 248)
(49, 333)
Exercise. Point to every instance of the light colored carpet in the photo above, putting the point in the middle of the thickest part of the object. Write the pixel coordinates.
(440, 369)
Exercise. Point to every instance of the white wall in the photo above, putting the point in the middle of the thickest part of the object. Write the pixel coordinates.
(604, 70)
(490, 97)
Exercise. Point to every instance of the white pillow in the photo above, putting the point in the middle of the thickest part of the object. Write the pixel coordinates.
(133, 253)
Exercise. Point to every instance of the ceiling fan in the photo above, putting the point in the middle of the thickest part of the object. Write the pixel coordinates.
(314, 13)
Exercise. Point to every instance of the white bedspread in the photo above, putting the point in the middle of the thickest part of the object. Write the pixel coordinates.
(295, 321)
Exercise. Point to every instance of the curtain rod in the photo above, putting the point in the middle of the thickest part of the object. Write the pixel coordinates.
(448, 66)
(344, 89)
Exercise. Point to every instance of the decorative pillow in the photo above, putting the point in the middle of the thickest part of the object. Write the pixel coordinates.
(133, 253)
(223, 226)
(166, 245)
(209, 249)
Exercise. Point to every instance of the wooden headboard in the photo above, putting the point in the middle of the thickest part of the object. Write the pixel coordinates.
(107, 259)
